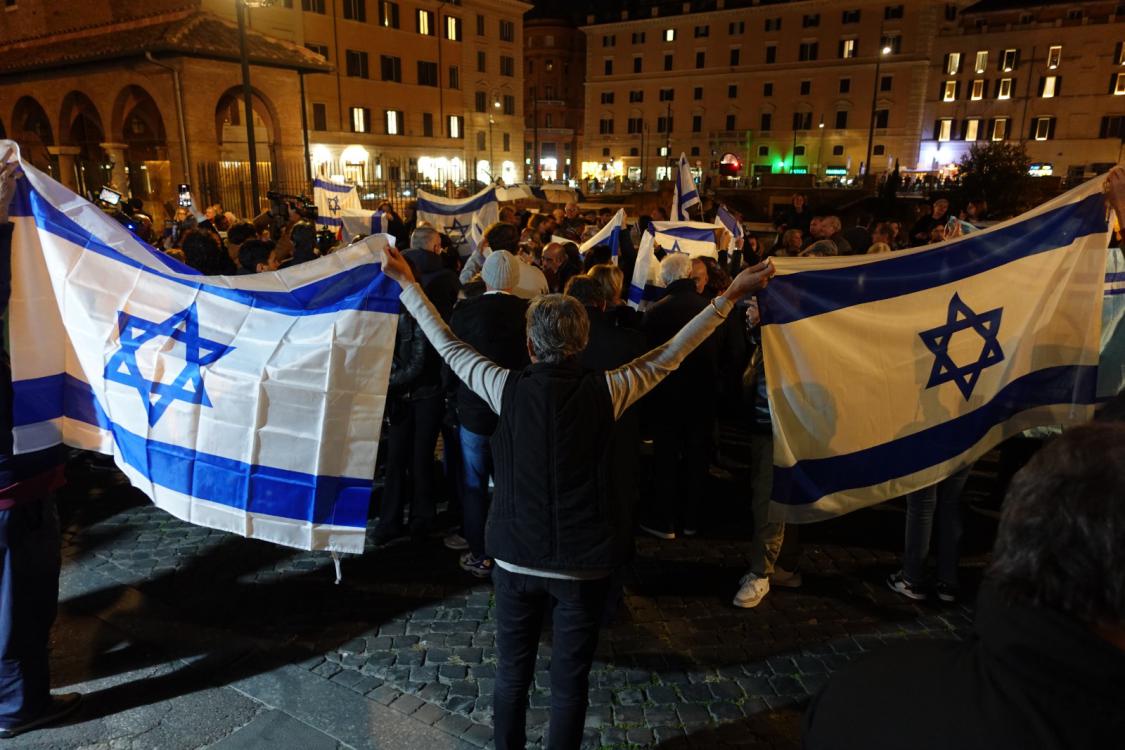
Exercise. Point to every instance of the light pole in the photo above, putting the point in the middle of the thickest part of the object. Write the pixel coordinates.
(820, 148)
(885, 50)
(491, 145)
(247, 95)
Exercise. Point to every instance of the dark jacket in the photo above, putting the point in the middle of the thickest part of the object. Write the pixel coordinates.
(1029, 678)
(27, 476)
(409, 356)
(441, 286)
(920, 232)
(558, 499)
(495, 325)
(662, 321)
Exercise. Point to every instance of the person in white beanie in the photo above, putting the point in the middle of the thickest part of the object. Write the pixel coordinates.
(493, 324)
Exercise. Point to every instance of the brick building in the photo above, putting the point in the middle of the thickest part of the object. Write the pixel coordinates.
(555, 64)
(143, 95)
(1050, 75)
(767, 87)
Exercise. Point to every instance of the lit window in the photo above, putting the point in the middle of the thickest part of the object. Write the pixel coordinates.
(361, 119)
(1049, 86)
(982, 61)
(1120, 54)
(953, 64)
(453, 28)
(978, 90)
(847, 48)
(1119, 85)
(426, 22)
(1042, 128)
(972, 129)
(1000, 129)
(1005, 89)
(1054, 57)
(394, 122)
(950, 92)
(1010, 60)
(455, 124)
(945, 129)
(669, 35)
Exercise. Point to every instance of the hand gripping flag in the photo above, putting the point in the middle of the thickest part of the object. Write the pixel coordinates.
(250, 404)
(338, 208)
(727, 221)
(610, 235)
(888, 373)
(684, 194)
(693, 238)
(454, 216)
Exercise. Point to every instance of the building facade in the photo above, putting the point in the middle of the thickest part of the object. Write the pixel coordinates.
(1048, 75)
(777, 87)
(554, 67)
(420, 90)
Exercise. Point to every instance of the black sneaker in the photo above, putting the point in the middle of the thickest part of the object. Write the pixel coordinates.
(61, 706)
(897, 583)
(946, 592)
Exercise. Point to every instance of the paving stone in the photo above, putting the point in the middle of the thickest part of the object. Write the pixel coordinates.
(406, 704)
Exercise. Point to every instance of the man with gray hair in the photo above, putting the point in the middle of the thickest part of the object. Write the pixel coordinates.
(555, 527)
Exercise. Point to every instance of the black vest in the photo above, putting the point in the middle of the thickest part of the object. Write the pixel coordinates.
(557, 503)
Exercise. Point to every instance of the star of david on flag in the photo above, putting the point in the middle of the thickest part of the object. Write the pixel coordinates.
(457, 232)
(962, 318)
(183, 327)
(859, 365)
(455, 216)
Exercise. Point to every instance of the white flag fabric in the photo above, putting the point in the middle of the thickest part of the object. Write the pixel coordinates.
(251, 404)
(454, 216)
(338, 208)
(358, 222)
(684, 194)
(1111, 372)
(729, 222)
(693, 238)
(610, 235)
(888, 373)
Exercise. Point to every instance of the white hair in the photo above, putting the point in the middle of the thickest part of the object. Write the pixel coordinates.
(674, 267)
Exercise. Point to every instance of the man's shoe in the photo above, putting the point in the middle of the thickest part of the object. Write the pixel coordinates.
(946, 592)
(789, 579)
(455, 541)
(60, 707)
(658, 533)
(690, 532)
(897, 583)
(480, 567)
(752, 589)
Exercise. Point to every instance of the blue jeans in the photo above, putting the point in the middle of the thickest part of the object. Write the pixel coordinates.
(940, 503)
(523, 602)
(476, 467)
(29, 597)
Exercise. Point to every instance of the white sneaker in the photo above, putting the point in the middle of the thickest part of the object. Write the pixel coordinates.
(789, 579)
(752, 589)
(455, 541)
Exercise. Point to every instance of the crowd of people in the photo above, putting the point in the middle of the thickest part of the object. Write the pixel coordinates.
(523, 367)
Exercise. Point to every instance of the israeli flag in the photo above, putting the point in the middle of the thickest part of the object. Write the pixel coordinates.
(727, 221)
(454, 216)
(1111, 372)
(338, 208)
(610, 235)
(251, 404)
(684, 195)
(357, 222)
(888, 373)
(693, 238)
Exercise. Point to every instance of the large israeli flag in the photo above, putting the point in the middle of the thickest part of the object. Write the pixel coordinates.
(251, 404)
(338, 208)
(454, 216)
(888, 373)
(610, 235)
(693, 238)
(684, 194)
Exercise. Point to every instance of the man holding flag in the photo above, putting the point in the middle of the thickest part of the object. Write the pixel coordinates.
(684, 195)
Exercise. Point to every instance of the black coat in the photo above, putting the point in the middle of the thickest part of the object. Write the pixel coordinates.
(1030, 678)
(495, 325)
(698, 372)
(409, 356)
(441, 286)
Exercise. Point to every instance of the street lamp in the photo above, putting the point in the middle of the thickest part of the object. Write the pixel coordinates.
(251, 146)
(886, 50)
(820, 148)
(491, 145)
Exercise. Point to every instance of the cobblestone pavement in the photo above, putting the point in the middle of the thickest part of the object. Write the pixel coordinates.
(679, 666)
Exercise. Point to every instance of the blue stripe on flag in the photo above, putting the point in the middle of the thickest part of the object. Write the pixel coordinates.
(361, 288)
(333, 187)
(808, 481)
(801, 295)
(651, 293)
(692, 195)
(1113, 277)
(329, 221)
(455, 209)
(686, 233)
(273, 491)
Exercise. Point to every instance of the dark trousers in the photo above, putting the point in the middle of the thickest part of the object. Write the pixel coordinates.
(680, 439)
(476, 467)
(29, 597)
(411, 437)
(522, 603)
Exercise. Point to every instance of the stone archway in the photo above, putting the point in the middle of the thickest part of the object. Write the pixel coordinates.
(228, 182)
(82, 162)
(31, 129)
(139, 146)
